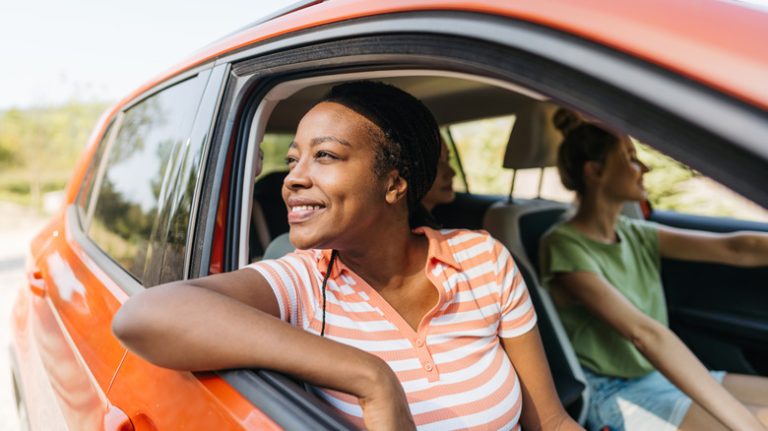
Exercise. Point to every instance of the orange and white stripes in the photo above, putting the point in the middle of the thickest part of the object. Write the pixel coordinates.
(453, 369)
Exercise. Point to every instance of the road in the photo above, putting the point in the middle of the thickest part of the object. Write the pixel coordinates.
(17, 226)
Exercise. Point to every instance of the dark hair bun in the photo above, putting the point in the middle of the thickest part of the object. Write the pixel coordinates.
(566, 120)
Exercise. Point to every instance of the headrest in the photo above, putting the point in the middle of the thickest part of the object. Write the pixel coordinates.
(534, 139)
(279, 247)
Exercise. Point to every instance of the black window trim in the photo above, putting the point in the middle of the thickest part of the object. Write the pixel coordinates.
(205, 119)
(746, 125)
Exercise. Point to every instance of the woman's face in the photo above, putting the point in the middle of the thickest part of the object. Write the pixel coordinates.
(442, 189)
(331, 191)
(623, 173)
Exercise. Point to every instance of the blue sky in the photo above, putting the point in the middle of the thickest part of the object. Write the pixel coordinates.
(52, 51)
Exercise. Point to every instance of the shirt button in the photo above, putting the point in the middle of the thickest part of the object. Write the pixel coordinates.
(419, 342)
(428, 366)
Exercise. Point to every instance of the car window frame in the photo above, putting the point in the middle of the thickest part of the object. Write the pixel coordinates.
(116, 273)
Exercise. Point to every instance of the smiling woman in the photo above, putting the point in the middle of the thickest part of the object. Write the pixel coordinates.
(395, 350)
(339, 143)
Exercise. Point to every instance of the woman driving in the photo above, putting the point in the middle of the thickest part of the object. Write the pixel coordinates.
(400, 324)
(603, 270)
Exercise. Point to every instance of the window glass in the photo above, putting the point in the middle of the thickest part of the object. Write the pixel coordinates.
(482, 144)
(274, 147)
(454, 158)
(673, 186)
(139, 175)
(86, 187)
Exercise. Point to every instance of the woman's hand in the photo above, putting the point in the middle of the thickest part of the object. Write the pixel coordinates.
(228, 321)
(384, 404)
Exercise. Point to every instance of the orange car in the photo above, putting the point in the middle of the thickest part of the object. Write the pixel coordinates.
(171, 185)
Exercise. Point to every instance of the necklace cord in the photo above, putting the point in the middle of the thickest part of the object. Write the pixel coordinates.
(334, 253)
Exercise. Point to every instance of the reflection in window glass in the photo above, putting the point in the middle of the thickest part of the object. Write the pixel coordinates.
(86, 187)
(139, 174)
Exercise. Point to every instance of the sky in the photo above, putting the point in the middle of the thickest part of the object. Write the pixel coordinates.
(53, 51)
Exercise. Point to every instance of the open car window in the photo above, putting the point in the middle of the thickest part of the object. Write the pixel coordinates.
(674, 186)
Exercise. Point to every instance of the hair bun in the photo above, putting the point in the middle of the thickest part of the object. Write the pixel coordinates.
(566, 120)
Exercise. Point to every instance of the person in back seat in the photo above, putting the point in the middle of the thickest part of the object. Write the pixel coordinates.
(441, 191)
(399, 323)
(603, 271)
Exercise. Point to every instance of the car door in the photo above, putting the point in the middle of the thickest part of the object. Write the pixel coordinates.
(719, 311)
(135, 226)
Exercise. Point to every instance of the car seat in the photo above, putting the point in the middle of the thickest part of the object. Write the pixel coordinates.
(519, 224)
(268, 216)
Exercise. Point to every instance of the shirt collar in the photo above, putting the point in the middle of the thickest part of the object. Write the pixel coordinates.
(323, 258)
(439, 250)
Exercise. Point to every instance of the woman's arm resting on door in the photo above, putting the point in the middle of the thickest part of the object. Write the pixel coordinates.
(228, 321)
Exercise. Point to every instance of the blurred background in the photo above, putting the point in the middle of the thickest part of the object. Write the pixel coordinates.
(64, 64)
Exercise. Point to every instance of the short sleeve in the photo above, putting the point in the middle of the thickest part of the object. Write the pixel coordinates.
(292, 281)
(561, 253)
(517, 313)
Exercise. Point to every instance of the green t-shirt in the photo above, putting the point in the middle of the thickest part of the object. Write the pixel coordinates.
(632, 266)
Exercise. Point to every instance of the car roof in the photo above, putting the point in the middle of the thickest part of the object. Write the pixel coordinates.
(718, 43)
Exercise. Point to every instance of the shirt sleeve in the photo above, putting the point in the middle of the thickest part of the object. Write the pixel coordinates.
(295, 290)
(561, 253)
(517, 313)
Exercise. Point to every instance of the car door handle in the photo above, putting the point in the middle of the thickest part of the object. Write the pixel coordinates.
(36, 282)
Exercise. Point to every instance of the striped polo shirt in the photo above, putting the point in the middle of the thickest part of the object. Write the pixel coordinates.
(454, 371)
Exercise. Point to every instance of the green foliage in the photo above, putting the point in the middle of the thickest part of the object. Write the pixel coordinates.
(673, 186)
(274, 148)
(482, 144)
(666, 179)
(39, 147)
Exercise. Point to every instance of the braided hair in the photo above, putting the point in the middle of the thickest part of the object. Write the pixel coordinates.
(408, 138)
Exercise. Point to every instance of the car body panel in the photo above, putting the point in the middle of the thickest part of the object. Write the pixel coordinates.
(163, 399)
(711, 42)
(43, 409)
(63, 336)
